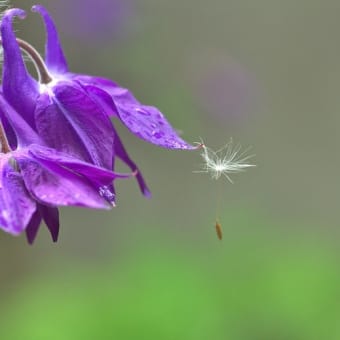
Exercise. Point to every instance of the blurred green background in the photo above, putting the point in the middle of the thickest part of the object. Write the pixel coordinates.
(263, 72)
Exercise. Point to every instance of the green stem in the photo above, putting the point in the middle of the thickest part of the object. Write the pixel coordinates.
(43, 74)
(5, 148)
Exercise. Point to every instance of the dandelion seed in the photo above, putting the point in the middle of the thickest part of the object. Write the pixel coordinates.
(228, 160)
(219, 232)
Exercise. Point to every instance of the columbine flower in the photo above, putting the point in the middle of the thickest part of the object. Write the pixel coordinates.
(225, 161)
(71, 112)
(35, 179)
(64, 117)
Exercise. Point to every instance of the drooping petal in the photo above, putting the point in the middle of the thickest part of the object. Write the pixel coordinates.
(71, 122)
(19, 88)
(123, 155)
(99, 177)
(102, 89)
(54, 185)
(16, 205)
(102, 98)
(146, 122)
(24, 134)
(103, 83)
(54, 55)
(51, 218)
(33, 227)
(93, 173)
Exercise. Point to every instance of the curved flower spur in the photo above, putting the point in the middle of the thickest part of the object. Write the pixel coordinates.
(35, 179)
(71, 112)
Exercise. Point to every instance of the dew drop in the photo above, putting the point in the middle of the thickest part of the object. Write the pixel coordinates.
(143, 112)
(157, 134)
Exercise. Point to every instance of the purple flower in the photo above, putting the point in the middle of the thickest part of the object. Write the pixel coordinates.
(35, 179)
(71, 112)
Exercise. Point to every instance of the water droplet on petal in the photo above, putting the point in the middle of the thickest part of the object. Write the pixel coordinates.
(142, 112)
(158, 134)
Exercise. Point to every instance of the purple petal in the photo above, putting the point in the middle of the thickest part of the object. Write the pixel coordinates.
(16, 205)
(33, 227)
(71, 122)
(146, 122)
(19, 88)
(55, 130)
(123, 155)
(102, 89)
(51, 218)
(54, 55)
(97, 88)
(103, 83)
(100, 178)
(54, 185)
(93, 173)
(102, 98)
(24, 134)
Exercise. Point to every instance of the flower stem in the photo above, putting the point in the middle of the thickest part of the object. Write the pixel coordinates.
(5, 148)
(43, 74)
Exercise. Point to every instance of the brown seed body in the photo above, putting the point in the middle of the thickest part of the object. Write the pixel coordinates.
(218, 228)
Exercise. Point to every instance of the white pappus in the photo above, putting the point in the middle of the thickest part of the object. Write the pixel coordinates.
(228, 160)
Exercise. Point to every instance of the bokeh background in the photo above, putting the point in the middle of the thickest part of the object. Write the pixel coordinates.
(263, 72)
